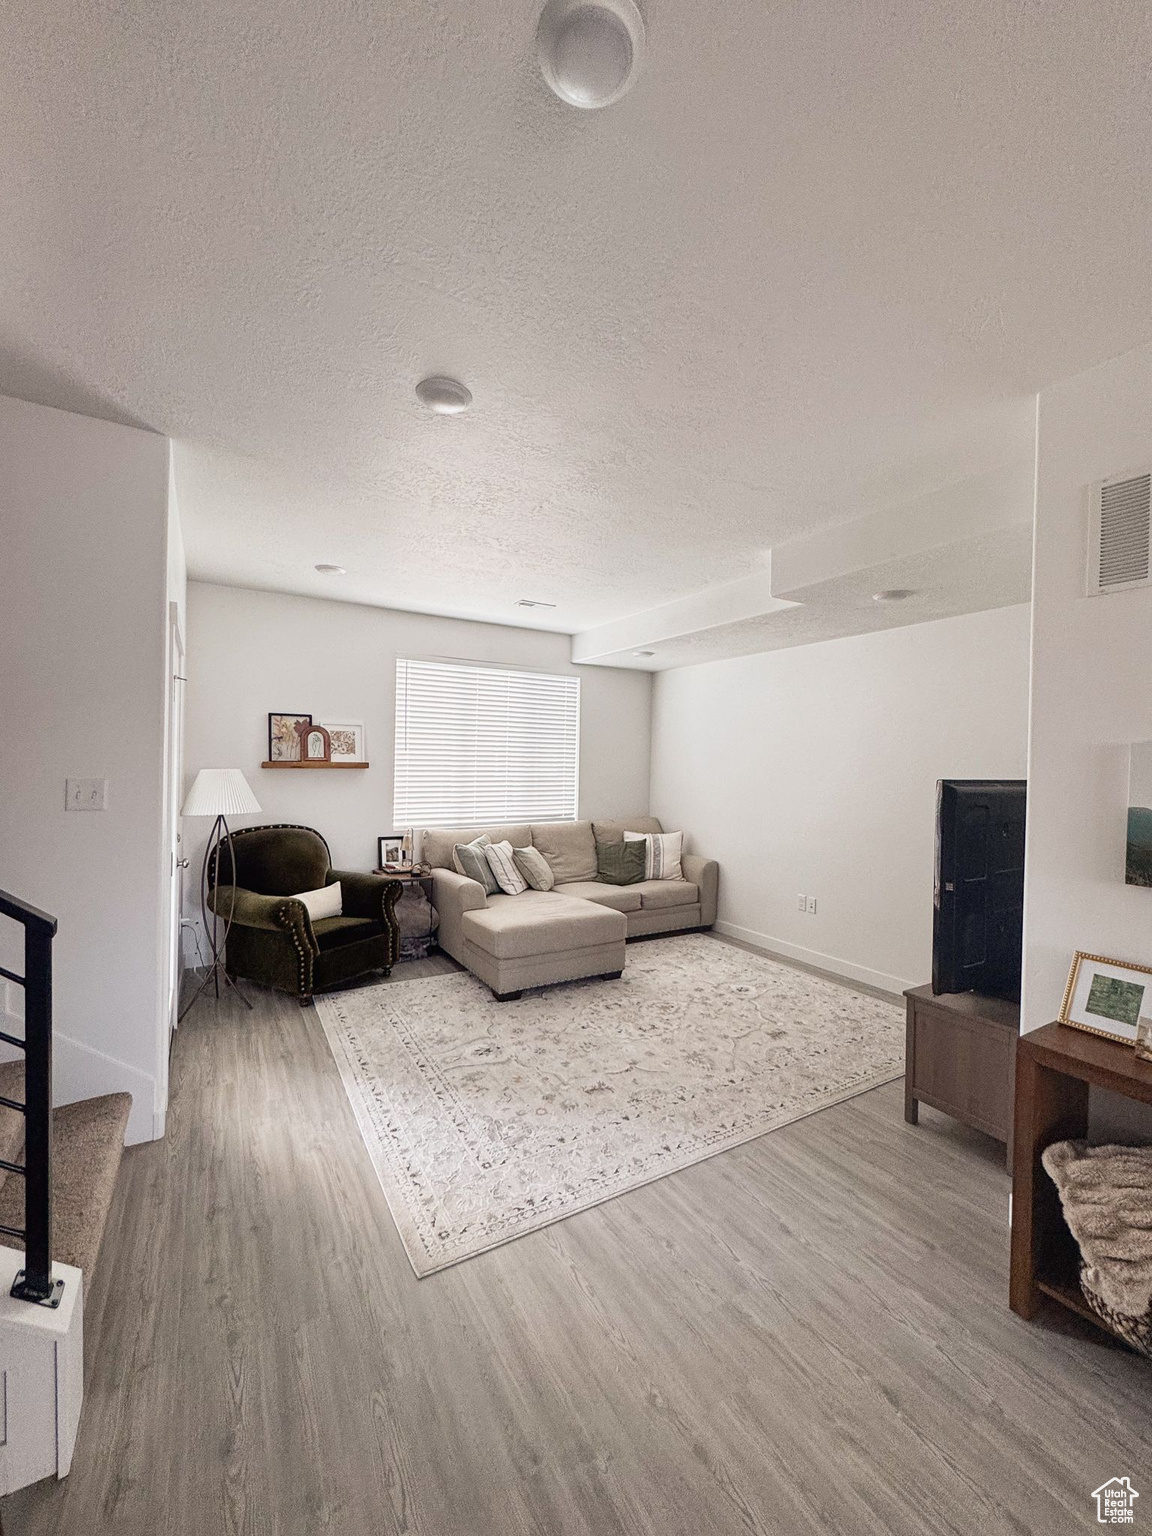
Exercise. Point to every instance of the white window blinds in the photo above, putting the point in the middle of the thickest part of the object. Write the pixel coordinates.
(481, 745)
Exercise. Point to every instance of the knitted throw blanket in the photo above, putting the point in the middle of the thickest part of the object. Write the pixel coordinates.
(1106, 1193)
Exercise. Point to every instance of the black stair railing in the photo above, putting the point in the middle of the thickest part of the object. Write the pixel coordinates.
(34, 1281)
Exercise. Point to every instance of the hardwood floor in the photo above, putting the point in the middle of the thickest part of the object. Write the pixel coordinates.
(808, 1333)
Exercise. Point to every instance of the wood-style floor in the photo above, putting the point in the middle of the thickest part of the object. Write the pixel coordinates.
(809, 1333)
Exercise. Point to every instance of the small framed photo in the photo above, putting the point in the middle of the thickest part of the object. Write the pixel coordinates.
(1107, 997)
(391, 853)
(347, 741)
(284, 738)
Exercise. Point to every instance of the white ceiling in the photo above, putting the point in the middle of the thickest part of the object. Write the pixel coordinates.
(812, 268)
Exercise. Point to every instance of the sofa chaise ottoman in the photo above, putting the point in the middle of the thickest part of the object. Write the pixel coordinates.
(579, 927)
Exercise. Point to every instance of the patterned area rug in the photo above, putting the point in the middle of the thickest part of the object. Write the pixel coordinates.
(486, 1120)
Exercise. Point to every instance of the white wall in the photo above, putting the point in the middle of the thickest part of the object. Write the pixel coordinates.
(83, 579)
(252, 652)
(814, 770)
(1091, 690)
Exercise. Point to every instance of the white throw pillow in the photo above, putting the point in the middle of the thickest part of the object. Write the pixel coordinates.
(328, 901)
(661, 853)
(503, 866)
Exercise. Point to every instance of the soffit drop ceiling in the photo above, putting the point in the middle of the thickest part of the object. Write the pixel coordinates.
(812, 267)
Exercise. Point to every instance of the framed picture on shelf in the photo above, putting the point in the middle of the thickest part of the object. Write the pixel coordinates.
(391, 853)
(283, 737)
(1107, 997)
(314, 744)
(347, 742)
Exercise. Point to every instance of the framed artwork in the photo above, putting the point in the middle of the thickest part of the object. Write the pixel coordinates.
(1107, 997)
(391, 854)
(314, 744)
(283, 741)
(347, 742)
(1138, 843)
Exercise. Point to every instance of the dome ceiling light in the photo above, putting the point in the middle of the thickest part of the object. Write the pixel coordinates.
(893, 595)
(589, 53)
(447, 397)
(332, 570)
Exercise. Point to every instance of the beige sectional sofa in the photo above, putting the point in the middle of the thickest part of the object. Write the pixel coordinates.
(578, 928)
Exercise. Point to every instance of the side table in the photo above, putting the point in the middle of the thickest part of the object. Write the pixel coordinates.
(417, 935)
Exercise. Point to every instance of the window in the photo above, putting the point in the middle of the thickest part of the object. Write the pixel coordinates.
(478, 745)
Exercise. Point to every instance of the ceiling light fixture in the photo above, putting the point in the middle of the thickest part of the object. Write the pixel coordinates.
(893, 595)
(643, 653)
(447, 397)
(590, 53)
(332, 570)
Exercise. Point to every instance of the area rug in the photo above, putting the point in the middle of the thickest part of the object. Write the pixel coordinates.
(486, 1120)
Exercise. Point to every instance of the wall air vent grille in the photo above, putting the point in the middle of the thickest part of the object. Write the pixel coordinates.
(1121, 534)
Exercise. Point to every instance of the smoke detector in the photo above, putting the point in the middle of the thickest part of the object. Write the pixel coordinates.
(590, 53)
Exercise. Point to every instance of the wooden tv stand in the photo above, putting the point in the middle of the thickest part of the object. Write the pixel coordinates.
(1055, 1067)
(960, 1058)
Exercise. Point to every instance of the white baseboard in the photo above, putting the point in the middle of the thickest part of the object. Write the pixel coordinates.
(80, 1071)
(846, 968)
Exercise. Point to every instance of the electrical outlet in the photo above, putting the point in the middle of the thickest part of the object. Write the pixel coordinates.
(802, 903)
(812, 905)
(86, 794)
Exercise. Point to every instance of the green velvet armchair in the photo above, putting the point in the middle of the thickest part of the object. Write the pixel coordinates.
(272, 940)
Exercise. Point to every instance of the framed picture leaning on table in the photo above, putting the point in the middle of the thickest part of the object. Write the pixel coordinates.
(392, 854)
(1107, 997)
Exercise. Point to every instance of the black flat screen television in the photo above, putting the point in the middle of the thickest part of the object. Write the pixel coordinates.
(978, 930)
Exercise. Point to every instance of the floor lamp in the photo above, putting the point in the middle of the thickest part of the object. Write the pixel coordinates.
(219, 792)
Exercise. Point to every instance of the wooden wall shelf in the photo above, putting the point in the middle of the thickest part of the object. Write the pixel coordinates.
(313, 765)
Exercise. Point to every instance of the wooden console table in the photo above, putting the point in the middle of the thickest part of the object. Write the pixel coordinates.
(959, 1057)
(1055, 1066)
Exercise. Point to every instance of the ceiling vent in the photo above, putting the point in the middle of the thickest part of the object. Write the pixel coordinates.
(1118, 538)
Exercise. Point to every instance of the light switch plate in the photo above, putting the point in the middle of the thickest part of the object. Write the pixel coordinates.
(802, 903)
(86, 794)
(812, 904)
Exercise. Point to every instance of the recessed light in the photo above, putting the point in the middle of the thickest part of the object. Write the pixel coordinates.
(447, 397)
(643, 653)
(332, 570)
(893, 595)
(589, 53)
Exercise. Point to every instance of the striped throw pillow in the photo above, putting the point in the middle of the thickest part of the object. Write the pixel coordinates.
(468, 859)
(535, 868)
(503, 865)
(661, 853)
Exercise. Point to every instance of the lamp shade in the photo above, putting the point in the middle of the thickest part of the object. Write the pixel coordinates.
(219, 792)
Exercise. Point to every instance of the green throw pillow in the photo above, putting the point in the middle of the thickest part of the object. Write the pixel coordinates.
(619, 863)
(469, 859)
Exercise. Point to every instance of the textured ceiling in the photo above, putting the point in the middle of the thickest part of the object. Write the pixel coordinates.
(813, 265)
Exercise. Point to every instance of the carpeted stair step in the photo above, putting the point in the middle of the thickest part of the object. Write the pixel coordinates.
(11, 1121)
(87, 1142)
